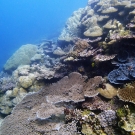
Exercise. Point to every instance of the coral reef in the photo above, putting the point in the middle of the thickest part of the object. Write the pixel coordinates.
(35, 111)
(69, 86)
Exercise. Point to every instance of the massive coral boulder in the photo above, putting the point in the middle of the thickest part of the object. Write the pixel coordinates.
(21, 57)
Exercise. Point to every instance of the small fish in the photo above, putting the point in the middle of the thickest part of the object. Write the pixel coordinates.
(93, 64)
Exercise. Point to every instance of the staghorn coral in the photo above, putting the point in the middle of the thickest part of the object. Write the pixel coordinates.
(91, 123)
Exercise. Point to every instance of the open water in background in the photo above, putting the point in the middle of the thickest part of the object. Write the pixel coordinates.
(30, 21)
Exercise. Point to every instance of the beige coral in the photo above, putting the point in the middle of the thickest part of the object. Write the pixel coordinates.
(96, 31)
(25, 81)
(109, 10)
(108, 92)
(91, 86)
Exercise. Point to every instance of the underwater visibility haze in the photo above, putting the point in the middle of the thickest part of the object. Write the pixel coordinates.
(70, 67)
(30, 21)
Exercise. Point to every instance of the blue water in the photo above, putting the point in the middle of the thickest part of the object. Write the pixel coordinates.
(30, 21)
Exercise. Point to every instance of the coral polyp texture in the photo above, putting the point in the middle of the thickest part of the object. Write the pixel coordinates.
(127, 93)
(83, 83)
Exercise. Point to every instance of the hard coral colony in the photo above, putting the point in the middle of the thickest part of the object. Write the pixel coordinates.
(83, 84)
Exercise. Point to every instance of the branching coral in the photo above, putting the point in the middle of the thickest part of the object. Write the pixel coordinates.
(7, 83)
(127, 118)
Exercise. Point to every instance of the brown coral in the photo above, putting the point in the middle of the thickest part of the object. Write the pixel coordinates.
(70, 88)
(91, 85)
(96, 103)
(79, 46)
(127, 94)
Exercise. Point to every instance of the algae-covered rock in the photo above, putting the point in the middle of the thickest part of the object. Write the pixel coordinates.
(21, 94)
(21, 57)
(127, 118)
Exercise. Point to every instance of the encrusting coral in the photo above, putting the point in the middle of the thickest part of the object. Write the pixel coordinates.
(127, 93)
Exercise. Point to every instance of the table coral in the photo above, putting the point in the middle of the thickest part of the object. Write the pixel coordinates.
(91, 85)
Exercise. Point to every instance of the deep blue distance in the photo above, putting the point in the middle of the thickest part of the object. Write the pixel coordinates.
(30, 21)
